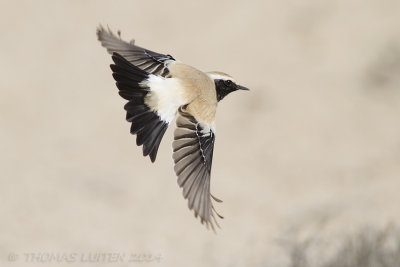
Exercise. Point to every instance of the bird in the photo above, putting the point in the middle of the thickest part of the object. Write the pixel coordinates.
(160, 88)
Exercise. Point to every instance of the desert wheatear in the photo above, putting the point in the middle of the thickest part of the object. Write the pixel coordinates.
(158, 88)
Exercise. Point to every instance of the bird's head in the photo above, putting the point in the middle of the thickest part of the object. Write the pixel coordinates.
(224, 84)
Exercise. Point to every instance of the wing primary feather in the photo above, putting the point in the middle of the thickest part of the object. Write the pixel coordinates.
(145, 123)
(133, 53)
(182, 143)
(152, 138)
(195, 189)
(184, 152)
(182, 165)
(187, 187)
(192, 153)
(145, 132)
(183, 177)
(154, 150)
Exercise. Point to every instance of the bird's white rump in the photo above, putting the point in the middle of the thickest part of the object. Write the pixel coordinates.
(165, 96)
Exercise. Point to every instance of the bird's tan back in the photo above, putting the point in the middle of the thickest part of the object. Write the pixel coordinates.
(199, 91)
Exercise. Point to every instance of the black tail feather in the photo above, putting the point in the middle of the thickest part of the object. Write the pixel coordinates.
(146, 124)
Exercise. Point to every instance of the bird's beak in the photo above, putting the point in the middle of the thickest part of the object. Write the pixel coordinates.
(239, 87)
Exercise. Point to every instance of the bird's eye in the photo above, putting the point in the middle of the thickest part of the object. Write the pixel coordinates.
(228, 82)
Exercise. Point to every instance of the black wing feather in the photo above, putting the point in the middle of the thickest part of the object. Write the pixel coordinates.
(146, 124)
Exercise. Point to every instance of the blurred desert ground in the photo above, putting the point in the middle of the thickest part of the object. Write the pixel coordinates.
(312, 150)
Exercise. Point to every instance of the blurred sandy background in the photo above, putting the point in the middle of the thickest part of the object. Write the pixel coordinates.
(313, 148)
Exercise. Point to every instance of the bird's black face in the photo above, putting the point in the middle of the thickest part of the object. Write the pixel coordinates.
(224, 87)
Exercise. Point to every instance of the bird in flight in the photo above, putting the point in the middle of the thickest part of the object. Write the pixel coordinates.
(159, 88)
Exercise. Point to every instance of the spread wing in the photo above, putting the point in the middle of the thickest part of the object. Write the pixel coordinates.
(147, 60)
(193, 148)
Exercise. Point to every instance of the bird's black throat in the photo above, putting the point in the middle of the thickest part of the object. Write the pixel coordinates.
(223, 88)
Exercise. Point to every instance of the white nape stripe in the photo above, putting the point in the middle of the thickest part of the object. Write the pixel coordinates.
(220, 76)
(165, 96)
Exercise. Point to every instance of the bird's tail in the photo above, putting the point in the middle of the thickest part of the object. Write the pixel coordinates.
(146, 124)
